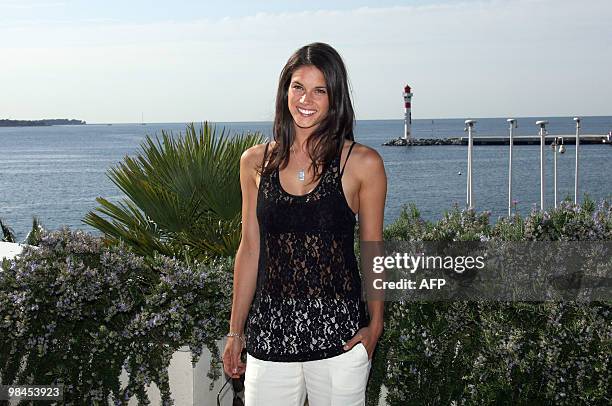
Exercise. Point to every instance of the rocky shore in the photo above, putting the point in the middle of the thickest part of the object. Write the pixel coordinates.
(400, 142)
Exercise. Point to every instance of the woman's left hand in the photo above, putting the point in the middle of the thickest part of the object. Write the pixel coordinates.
(368, 336)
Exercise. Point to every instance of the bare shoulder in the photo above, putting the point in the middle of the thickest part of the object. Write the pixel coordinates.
(252, 157)
(370, 162)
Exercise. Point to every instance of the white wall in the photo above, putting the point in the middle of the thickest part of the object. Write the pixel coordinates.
(189, 385)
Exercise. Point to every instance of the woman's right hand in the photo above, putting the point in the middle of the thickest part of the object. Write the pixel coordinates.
(232, 364)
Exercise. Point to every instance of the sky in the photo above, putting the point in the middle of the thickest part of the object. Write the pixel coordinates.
(186, 60)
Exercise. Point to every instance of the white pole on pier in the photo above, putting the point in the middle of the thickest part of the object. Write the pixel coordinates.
(469, 126)
(577, 120)
(555, 143)
(513, 125)
(407, 113)
(542, 125)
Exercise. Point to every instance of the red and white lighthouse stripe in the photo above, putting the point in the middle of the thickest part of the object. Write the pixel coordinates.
(407, 113)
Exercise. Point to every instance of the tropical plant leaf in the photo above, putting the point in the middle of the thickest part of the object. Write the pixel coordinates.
(9, 235)
(34, 236)
(183, 194)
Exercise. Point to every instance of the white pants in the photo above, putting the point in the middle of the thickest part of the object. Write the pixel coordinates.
(335, 381)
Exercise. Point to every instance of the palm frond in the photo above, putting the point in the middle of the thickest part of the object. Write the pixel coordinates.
(35, 234)
(8, 233)
(183, 194)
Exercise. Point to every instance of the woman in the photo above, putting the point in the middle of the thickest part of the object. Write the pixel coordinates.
(296, 281)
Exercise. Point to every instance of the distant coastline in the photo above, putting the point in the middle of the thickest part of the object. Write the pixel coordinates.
(40, 123)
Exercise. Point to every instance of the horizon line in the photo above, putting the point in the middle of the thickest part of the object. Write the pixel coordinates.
(365, 119)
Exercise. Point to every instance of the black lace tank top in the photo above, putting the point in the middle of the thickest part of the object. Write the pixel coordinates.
(308, 299)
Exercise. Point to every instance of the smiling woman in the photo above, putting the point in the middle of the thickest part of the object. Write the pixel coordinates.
(297, 286)
(307, 100)
(308, 103)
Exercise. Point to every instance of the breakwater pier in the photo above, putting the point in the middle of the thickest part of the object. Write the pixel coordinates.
(497, 140)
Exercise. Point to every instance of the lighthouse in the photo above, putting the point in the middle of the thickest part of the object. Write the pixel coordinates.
(407, 113)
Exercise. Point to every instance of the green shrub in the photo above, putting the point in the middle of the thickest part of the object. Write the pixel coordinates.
(76, 313)
(468, 352)
(183, 195)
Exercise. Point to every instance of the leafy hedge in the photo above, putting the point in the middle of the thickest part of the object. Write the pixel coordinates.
(76, 313)
(490, 352)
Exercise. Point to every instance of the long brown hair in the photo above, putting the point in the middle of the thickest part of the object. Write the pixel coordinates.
(327, 140)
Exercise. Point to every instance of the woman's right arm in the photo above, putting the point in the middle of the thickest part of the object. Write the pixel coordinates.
(247, 257)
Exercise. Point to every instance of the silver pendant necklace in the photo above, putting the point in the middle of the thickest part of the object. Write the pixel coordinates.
(301, 174)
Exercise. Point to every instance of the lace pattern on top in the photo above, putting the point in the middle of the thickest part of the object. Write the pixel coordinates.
(308, 300)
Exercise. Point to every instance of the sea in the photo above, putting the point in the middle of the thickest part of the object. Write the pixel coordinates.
(55, 173)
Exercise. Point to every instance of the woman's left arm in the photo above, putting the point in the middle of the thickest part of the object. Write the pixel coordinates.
(372, 195)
